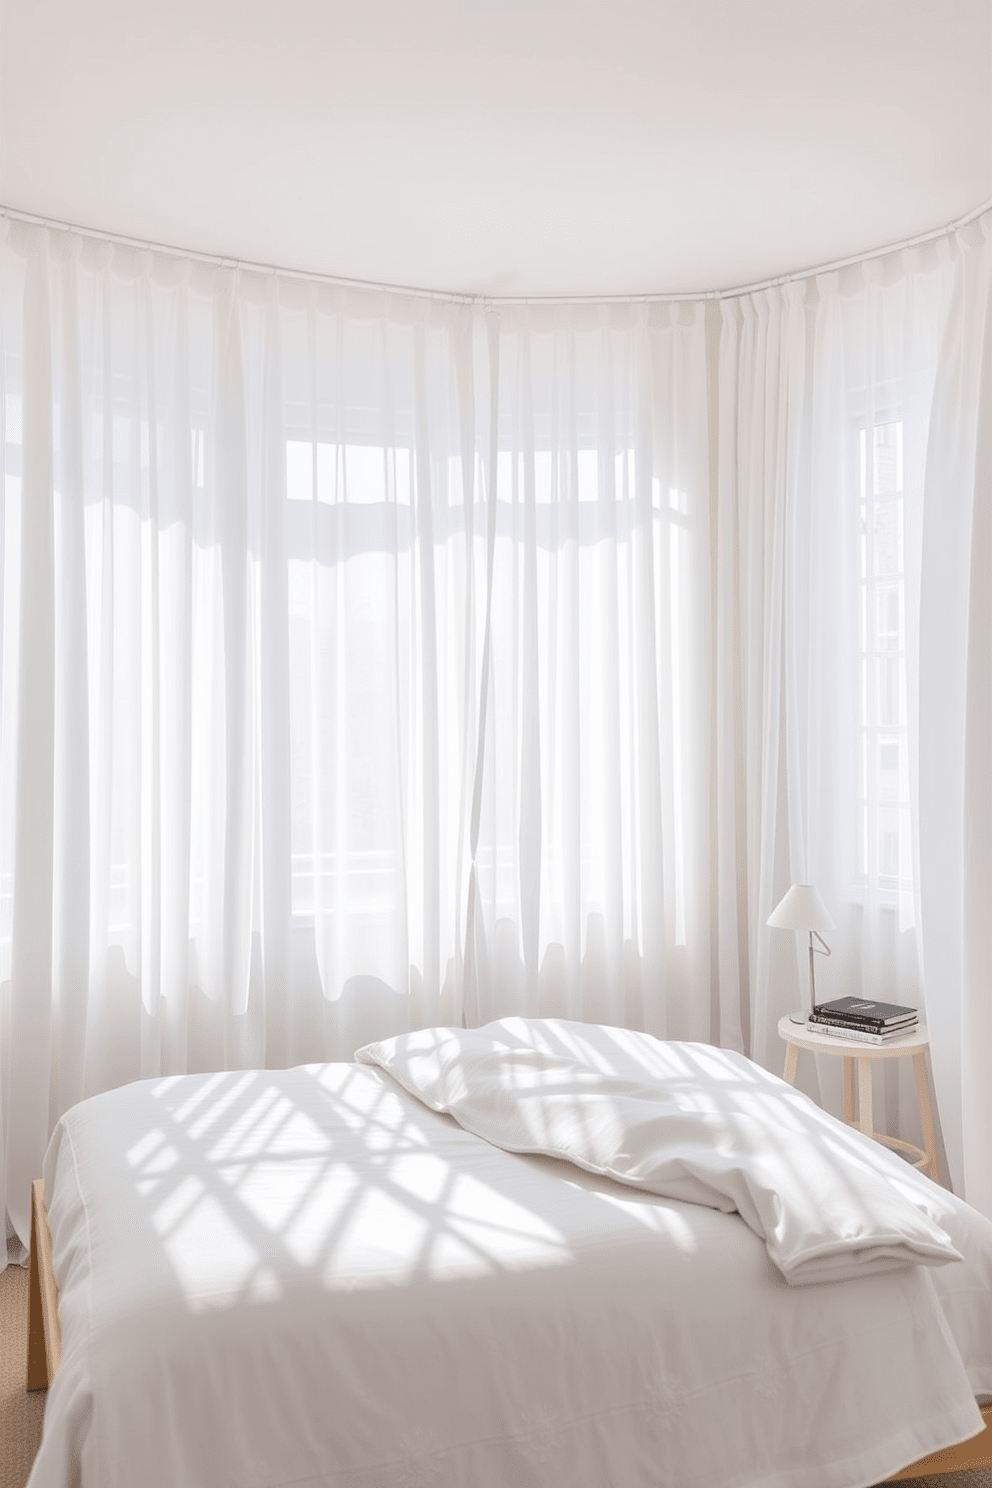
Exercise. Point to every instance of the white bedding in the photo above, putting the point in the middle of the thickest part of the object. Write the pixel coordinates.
(307, 1277)
(686, 1121)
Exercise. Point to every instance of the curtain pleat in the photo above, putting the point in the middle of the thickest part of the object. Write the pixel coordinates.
(71, 896)
(272, 944)
(28, 1081)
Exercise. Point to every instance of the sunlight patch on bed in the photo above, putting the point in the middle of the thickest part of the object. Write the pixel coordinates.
(382, 1237)
(362, 1103)
(139, 1155)
(487, 1231)
(309, 1233)
(272, 1191)
(700, 1101)
(208, 1118)
(423, 1175)
(272, 1125)
(175, 1206)
(153, 1157)
(196, 1098)
(419, 1217)
(212, 1259)
(713, 1065)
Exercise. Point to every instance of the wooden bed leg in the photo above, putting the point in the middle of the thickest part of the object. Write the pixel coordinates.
(44, 1327)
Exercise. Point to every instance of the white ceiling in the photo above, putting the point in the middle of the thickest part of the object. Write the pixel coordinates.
(502, 147)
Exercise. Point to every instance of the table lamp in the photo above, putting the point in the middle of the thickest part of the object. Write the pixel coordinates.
(803, 909)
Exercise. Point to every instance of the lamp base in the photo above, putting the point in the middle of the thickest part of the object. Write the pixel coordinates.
(801, 1018)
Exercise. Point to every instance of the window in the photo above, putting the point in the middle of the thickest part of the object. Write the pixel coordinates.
(884, 847)
(359, 474)
(346, 626)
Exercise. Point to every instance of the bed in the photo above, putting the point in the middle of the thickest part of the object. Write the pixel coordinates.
(318, 1276)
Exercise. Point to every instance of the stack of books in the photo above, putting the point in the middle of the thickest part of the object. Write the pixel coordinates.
(863, 1021)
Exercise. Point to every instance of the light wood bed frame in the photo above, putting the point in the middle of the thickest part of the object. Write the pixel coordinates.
(44, 1327)
(45, 1351)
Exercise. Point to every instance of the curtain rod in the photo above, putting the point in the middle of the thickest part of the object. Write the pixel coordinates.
(795, 276)
(856, 258)
(225, 261)
(486, 301)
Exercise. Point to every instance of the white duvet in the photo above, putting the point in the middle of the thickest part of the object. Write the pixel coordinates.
(307, 1277)
(686, 1121)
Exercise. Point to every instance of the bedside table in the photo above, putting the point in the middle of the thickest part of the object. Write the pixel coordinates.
(912, 1045)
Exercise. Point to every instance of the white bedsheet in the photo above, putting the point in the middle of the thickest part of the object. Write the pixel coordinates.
(307, 1277)
(686, 1121)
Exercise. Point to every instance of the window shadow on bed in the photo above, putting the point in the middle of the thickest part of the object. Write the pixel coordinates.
(254, 1183)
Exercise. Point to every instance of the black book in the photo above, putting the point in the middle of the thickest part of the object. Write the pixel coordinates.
(862, 1012)
(901, 1025)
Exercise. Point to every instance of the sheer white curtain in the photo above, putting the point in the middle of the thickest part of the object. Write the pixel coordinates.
(237, 690)
(372, 661)
(592, 857)
(355, 670)
(854, 415)
(955, 713)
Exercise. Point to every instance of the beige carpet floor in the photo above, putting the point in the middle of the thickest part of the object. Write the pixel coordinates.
(21, 1413)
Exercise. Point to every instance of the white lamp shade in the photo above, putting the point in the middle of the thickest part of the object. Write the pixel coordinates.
(801, 909)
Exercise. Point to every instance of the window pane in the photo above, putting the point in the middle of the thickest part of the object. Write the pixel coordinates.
(888, 538)
(888, 458)
(883, 844)
(299, 470)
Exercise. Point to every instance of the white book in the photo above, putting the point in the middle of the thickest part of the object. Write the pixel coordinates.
(856, 1036)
